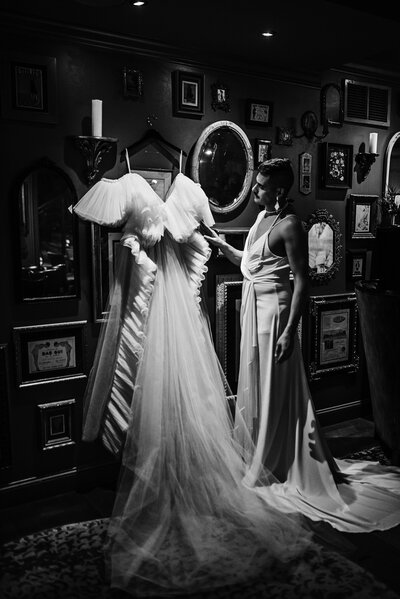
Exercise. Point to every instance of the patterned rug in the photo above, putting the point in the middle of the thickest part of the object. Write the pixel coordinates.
(66, 562)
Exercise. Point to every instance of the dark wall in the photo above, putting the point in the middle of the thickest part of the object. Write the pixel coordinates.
(83, 73)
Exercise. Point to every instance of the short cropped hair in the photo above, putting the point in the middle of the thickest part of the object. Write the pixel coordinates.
(280, 172)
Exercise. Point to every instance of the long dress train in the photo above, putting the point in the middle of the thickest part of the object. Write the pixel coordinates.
(275, 404)
(182, 519)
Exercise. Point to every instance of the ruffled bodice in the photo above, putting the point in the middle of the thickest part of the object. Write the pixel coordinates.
(132, 204)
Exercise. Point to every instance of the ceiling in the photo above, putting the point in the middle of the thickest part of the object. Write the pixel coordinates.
(312, 36)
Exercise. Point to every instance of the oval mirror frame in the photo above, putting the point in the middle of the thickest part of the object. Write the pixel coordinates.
(387, 161)
(48, 268)
(323, 216)
(248, 161)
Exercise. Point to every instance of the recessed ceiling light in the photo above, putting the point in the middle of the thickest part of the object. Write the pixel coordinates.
(268, 33)
(138, 2)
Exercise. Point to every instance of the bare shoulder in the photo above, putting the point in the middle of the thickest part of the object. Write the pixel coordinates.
(292, 226)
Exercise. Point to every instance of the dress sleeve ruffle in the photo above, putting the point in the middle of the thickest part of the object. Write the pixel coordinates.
(196, 252)
(105, 203)
(119, 351)
(186, 206)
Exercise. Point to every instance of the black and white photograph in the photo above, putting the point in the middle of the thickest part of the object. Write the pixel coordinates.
(200, 300)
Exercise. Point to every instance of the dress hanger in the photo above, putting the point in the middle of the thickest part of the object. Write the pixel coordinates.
(153, 137)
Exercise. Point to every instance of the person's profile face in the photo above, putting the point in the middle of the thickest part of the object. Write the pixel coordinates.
(263, 190)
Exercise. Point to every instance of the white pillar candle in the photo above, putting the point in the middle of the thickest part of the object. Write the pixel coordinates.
(373, 143)
(97, 109)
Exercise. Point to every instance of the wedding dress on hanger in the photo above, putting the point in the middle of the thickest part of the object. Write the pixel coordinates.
(182, 519)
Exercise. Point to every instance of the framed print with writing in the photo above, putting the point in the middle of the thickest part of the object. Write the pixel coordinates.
(105, 246)
(337, 165)
(50, 352)
(258, 113)
(188, 94)
(29, 88)
(262, 150)
(56, 424)
(333, 335)
(363, 218)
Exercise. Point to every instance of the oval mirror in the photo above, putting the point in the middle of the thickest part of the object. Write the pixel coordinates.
(392, 165)
(324, 248)
(223, 165)
(48, 237)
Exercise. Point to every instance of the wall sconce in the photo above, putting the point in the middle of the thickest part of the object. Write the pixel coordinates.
(364, 160)
(309, 124)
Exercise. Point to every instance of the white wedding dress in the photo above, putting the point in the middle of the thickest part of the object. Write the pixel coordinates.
(183, 520)
(274, 403)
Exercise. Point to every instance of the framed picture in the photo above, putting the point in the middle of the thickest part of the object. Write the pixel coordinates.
(132, 83)
(5, 436)
(258, 113)
(337, 165)
(50, 352)
(105, 246)
(227, 326)
(284, 136)
(56, 424)
(262, 150)
(188, 94)
(220, 97)
(305, 172)
(356, 264)
(333, 335)
(29, 88)
(364, 213)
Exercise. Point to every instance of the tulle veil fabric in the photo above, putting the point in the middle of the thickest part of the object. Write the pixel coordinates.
(182, 519)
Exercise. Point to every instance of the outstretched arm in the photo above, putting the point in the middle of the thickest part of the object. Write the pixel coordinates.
(296, 246)
(233, 255)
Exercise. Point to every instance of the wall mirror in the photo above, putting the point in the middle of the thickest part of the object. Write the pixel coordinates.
(47, 233)
(392, 165)
(223, 165)
(332, 111)
(324, 246)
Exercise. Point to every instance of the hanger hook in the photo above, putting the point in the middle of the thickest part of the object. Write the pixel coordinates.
(150, 118)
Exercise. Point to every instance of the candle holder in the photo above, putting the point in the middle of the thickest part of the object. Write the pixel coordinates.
(364, 161)
(93, 148)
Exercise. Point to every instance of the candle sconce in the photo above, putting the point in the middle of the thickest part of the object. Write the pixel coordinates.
(93, 148)
(364, 161)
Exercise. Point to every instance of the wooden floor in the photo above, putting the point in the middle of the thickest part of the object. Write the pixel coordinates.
(377, 552)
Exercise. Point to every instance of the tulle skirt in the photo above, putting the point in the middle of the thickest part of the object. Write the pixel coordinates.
(182, 519)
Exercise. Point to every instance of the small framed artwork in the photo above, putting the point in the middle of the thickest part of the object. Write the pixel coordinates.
(258, 113)
(5, 436)
(337, 165)
(29, 88)
(364, 213)
(356, 264)
(56, 424)
(220, 97)
(333, 335)
(105, 246)
(305, 172)
(188, 94)
(262, 150)
(284, 136)
(132, 83)
(49, 353)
